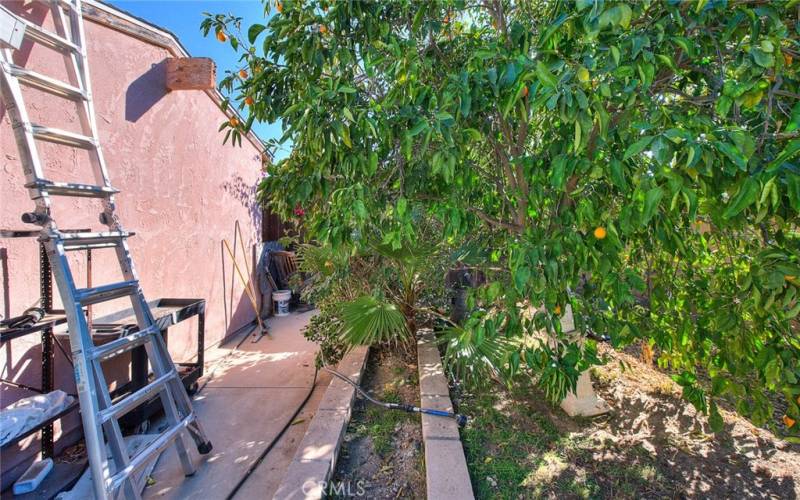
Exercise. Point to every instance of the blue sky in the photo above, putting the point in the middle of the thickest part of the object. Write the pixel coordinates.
(183, 17)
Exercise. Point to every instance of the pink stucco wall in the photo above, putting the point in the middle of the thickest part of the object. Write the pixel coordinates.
(182, 192)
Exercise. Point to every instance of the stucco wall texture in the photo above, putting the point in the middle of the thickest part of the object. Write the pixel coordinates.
(181, 193)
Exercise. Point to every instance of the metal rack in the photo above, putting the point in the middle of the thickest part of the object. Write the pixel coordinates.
(45, 327)
(167, 312)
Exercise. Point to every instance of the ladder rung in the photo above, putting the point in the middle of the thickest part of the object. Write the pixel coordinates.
(59, 136)
(72, 189)
(128, 403)
(48, 38)
(46, 83)
(151, 452)
(88, 296)
(85, 241)
(123, 344)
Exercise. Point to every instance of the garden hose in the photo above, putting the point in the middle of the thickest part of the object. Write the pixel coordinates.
(460, 419)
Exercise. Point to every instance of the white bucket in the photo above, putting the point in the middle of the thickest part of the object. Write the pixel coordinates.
(281, 299)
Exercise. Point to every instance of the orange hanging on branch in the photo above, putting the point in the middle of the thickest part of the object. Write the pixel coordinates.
(600, 232)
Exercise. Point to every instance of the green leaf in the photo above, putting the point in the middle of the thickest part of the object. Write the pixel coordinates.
(444, 116)
(789, 151)
(615, 54)
(509, 75)
(359, 209)
(733, 154)
(345, 134)
(418, 127)
(793, 190)
(254, 31)
(402, 206)
(545, 76)
(557, 176)
(473, 134)
(762, 58)
(651, 201)
(637, 147)
(348, 114)
(723, 106)
(619, 15)
(373, 162)
(419, 16)
(715, 420)
(466, 104)
(745, 197)
(794, 120)
(618, 174)
(521, 277)
(662, 152)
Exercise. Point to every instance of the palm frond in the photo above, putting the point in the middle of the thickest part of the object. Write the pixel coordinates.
(368, 321)
(471, 359)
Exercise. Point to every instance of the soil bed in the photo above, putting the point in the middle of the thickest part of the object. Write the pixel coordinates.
(652, 445)
(381, 456)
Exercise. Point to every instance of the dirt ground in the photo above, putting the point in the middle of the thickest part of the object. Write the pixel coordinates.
(652, 445)
(382, 456)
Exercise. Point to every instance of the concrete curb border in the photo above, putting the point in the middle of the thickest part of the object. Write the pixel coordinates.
(315, 459)
(446, 473)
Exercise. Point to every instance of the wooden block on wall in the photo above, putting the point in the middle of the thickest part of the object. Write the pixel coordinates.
(191, 73)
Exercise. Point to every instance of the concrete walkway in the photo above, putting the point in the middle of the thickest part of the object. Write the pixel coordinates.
(250, 395)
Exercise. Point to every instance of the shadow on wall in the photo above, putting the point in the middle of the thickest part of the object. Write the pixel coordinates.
(144, 92)
(246, 195)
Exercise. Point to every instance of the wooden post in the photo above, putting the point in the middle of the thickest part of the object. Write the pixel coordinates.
(191, 73)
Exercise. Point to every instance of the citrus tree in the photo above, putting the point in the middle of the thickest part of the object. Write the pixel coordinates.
(636, 160)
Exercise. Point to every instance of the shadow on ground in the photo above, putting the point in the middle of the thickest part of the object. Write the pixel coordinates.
(651, 446)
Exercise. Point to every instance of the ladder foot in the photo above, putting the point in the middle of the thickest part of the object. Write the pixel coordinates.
(205, 448)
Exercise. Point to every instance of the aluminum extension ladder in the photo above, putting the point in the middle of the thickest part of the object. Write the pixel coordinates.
(99, 413)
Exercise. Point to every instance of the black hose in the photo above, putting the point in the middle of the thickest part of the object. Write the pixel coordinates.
(253, 466)
(460, 419)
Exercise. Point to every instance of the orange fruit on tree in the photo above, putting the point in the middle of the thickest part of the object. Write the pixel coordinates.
(788, 421)
(279, 7)
(525, 91)
(221, 36)
(248, 100)
(242, 73)
(787, 58)
(233, 121)
(557, 310)
(323, 29)
(600, 232)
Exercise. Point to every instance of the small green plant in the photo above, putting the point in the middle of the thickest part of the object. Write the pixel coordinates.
(368, 320)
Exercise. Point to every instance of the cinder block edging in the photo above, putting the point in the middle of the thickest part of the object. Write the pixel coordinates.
(446, 473)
